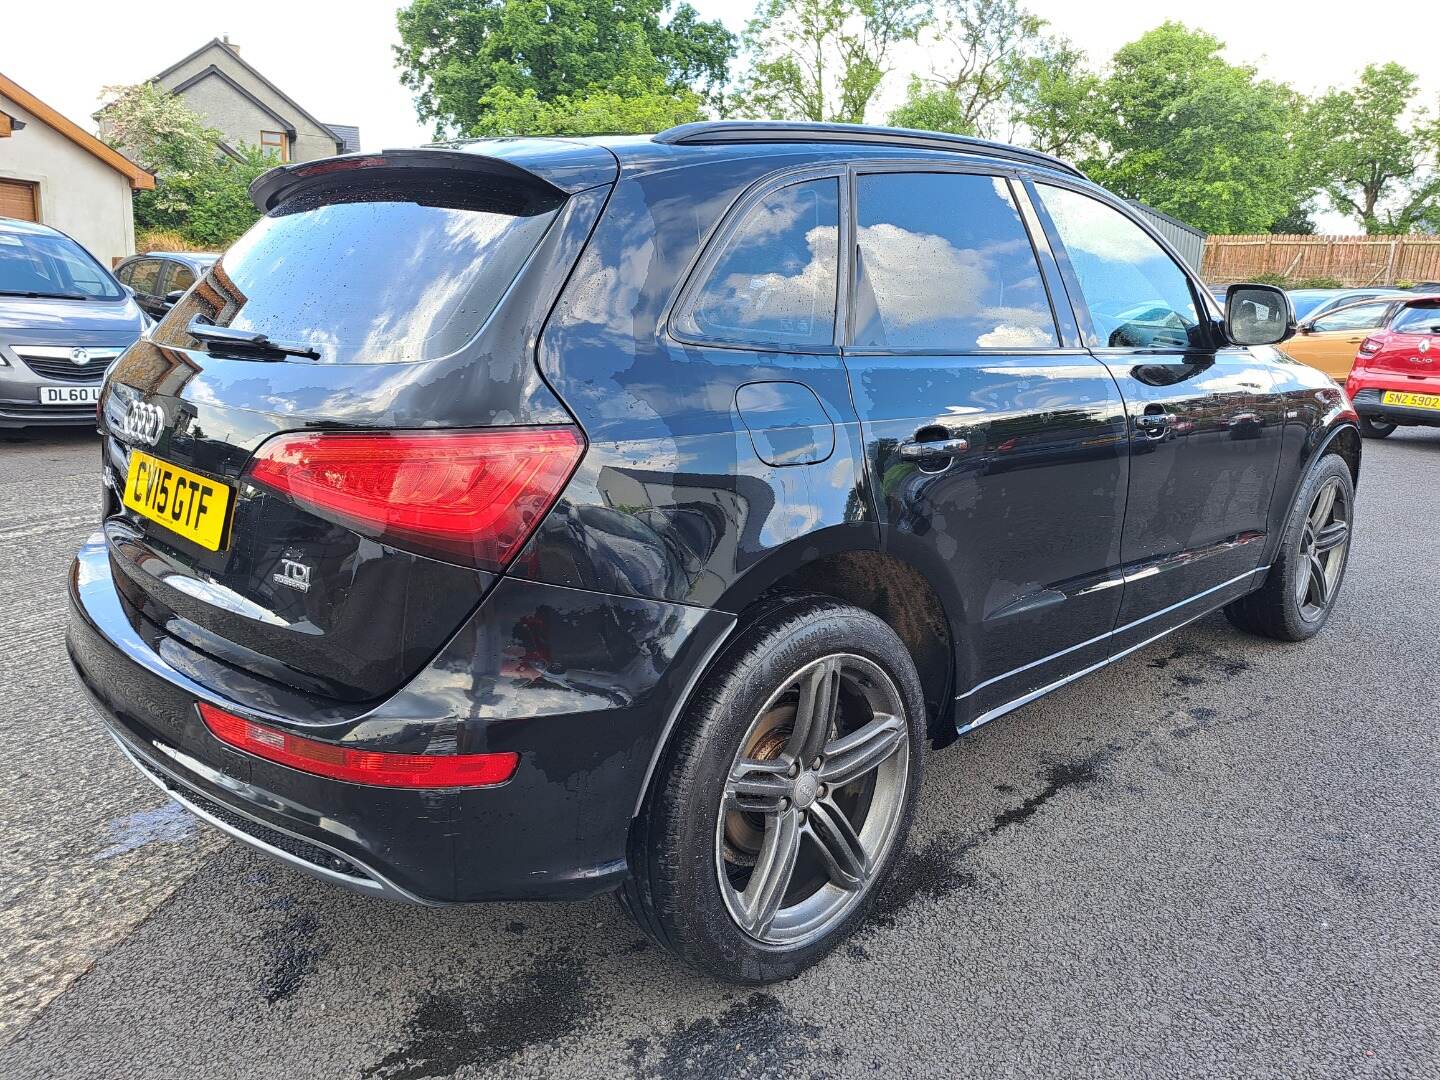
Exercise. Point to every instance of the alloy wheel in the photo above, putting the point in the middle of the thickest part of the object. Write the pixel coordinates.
(1323, 544)
(812, 802)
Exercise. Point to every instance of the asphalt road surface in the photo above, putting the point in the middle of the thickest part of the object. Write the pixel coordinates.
(1219, 857)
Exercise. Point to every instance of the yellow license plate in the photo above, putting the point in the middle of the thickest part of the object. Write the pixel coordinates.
(1414, 401)
(184, 502)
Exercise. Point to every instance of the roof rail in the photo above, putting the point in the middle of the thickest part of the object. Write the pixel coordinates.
(714, 132)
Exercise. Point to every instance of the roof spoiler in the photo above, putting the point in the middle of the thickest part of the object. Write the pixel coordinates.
(560, 168)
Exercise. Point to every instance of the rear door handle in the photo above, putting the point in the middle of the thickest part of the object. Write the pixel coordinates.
(918, 449)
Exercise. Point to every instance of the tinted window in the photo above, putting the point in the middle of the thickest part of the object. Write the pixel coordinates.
(50, 265)
(180, 277)
(946, 264)
(1137, 296)
(774, 282)
(124, 273)
(1418, 320)
(1358, 317)
(378, 271)
(145, 276)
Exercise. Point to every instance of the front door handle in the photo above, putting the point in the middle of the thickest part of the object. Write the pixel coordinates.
(1154, 421)
(919, 449)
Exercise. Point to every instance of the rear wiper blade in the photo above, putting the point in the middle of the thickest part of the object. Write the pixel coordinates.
(245, 340)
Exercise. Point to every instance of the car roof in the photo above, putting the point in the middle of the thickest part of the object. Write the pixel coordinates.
(20, 227)
(194, 258)
(570, 164)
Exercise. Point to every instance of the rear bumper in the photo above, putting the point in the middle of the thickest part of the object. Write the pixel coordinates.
(587, 737)
(1368, 402)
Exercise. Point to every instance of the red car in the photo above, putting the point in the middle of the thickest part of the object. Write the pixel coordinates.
(1396, 376)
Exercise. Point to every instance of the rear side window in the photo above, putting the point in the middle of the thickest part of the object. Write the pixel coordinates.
(774, 281)
(946, 264)
(379, 271)
(1418, 320)
(1137, 296)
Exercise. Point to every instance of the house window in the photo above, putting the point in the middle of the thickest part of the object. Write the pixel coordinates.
(274, 142)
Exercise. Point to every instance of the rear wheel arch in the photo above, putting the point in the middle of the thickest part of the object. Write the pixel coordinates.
(885, 585)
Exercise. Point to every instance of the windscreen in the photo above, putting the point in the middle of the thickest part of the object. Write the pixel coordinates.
(52, 266)
(380, 271)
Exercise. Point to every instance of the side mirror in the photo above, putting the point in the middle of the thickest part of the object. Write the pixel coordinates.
(173, 297)
(1258, 315)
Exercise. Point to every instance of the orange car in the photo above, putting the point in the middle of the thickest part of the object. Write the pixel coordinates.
(1331, 341)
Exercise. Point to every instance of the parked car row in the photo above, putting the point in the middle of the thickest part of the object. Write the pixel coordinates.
(1381, 344)
(66, 318)
(1384, 349)
(159, 279)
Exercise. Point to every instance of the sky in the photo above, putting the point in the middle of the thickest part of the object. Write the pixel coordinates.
(335, 58)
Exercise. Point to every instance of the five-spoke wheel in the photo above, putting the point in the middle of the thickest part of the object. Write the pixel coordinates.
(1304, 579)
(812, 799)
(786, 794)
(1323, 543)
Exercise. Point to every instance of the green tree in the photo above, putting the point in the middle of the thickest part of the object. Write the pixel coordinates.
(1374, 153)
(978, 49)
(932, 108)
(822, 59)
(1054, 99)
(454, 53)
(996, 72)
(625, 107)
(200, 192)
(1195, 136)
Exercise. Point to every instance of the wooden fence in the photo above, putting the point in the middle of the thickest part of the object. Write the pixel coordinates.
(1354, 260)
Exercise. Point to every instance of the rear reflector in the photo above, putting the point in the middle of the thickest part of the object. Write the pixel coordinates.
(358, 766)
(475, 495)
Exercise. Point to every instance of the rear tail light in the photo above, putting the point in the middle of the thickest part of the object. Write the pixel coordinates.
(358, 766)
(1371, 345)
(472, 495)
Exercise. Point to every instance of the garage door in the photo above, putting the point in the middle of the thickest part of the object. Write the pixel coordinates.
(17, 200)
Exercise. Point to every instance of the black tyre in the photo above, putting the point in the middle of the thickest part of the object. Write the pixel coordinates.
(1300, 590)
(785, 795)
(1376, 429)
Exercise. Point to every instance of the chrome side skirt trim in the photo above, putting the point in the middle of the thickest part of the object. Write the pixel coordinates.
(1010, 706)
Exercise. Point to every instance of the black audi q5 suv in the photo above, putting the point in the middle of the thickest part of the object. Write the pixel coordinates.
(536, 518)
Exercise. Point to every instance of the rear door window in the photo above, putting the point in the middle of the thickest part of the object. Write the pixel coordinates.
(774, 281)
(378, 271)
(181, 277)
(1137, 295)
(145, 276)
(946, 265)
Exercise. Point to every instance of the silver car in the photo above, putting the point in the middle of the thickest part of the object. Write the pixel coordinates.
(64, 319)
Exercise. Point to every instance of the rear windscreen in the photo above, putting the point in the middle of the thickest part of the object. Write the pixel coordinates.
(375, 272)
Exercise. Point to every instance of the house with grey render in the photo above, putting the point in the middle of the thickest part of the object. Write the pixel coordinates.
(247, 108)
